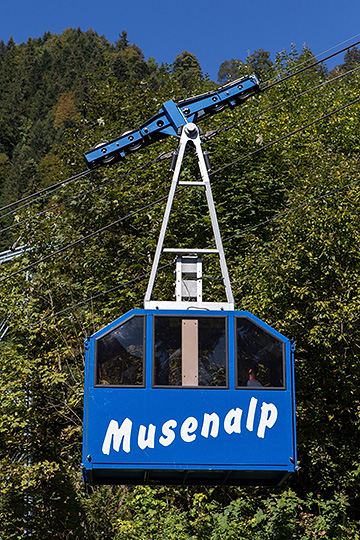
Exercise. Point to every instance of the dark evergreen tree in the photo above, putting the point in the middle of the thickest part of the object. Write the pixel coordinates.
(122, 42)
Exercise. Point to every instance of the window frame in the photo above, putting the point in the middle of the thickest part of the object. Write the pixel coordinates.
(142, 385)
(283, 348)
(198, 387)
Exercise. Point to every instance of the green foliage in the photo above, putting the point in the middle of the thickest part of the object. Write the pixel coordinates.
(298, 272)
(45, 85)
(283, 516)
(351, 59)
(187, 71)
(260, 64)
(230, 70)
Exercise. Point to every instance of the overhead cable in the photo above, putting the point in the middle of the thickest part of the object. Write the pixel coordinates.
(48, 189)
(214, 133)
(83, 238)
(55, 187)
(271, 85)
(86, 172)
(106, 227)
(266, 146)
(167, 155)
(235, 235)
(324, 52)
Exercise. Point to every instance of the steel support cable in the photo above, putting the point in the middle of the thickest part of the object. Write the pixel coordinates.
(277, 105)
(287, 77)
(167, 155)
(54, 207)
(59, 185)
(266, 146)
(292, 210)
(250, 154)
(84, 173)
(235, 235)
(328, 50)
(82, 194)
(212, 134)
(83, 238)
(54, 187)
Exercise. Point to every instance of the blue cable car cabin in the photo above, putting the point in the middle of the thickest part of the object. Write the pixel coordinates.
(189, 397)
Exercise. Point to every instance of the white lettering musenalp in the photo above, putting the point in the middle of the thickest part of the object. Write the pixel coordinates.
(121, 436)
(251, 414)
(214, 421)
(232, 421)
(149, 441)
(187, 429)
(268, 418)
(168, 435)
(117, 435)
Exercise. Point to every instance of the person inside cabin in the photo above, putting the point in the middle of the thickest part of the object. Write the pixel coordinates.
(252, 369)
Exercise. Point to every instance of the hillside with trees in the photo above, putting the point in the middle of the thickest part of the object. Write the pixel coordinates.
(289, 216)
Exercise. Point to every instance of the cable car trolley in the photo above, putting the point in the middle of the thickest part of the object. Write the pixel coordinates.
(189, 391)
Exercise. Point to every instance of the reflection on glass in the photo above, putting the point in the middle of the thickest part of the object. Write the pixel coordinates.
(120, 354)
(210, 356)
(259, 356)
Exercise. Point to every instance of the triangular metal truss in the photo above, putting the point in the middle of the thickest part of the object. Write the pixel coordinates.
(188, 290)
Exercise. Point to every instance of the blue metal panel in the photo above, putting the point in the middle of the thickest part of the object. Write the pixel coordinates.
(188, 435)
(170, 117)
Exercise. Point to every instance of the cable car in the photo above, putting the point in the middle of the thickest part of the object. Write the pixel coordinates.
(176, 397)
(189, 391)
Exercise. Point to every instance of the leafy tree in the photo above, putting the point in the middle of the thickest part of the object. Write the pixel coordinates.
(260, 63)
(351, 59)
(66, 111)
(122, 43)
(231, 70)
(4, 168)
(187, 71)
(130, 65)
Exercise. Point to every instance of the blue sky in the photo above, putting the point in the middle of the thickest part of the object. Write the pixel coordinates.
(212, 30)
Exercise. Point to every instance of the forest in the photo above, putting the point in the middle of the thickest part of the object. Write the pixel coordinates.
(285, 180)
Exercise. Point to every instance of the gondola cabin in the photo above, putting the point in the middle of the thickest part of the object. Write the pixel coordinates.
(189, 397)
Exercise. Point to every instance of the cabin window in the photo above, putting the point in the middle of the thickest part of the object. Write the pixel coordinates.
(260, 356)
(190, 352)
(120, 355)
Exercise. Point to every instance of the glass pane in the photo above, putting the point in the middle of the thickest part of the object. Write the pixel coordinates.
(210, 356)
(120, 354)
(167, 343)
(260, 356)
(212, 352)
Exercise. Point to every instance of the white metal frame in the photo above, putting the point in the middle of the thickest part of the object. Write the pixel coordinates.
(190, 133)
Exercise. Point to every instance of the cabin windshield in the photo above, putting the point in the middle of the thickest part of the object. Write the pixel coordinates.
(190, 351)
(120, 355)
(260, 356)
